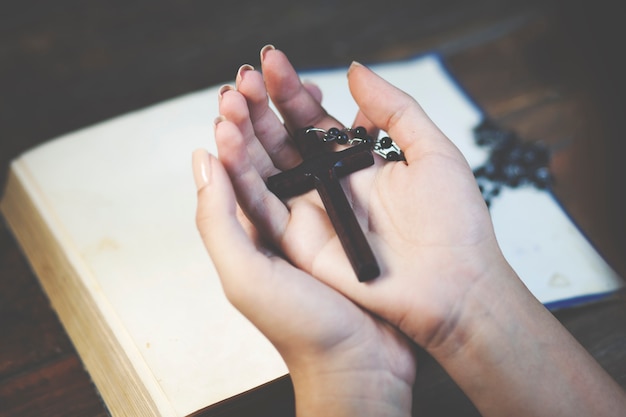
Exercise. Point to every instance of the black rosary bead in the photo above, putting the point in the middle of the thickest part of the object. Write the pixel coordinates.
(542, 177)
(385, 142)
(487, 133)
(342, 138)
(333, 132)
(511, 162)
(360, 132)
(393, 156)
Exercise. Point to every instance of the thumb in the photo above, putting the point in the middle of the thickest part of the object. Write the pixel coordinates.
(395, 112)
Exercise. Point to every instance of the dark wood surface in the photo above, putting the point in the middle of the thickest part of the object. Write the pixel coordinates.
(547, 69)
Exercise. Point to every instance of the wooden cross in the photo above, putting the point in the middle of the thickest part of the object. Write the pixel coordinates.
(322, 170)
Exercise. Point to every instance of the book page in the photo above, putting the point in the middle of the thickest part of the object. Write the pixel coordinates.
(122, 195)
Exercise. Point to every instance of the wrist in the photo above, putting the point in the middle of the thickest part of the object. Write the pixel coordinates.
(352, 392)
(371, 372)
(492, 306)
(511, 356)
(494, 350)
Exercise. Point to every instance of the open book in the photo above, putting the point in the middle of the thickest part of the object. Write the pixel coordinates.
(106, 217)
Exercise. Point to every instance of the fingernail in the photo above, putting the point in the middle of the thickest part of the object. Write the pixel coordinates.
(201, 163)
(242, 69)
(219, 119)
(265, 50)
(223, 89)
(354, 65)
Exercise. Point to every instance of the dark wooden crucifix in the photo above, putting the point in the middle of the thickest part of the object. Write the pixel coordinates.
(321, 169)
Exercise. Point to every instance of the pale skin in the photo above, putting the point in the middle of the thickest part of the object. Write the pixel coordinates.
(445, 285)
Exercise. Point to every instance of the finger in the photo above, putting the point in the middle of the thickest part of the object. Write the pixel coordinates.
(263, 208)
(233, 106)
(251, 286)
(216, 219)
(313, 90)
(266, 211)
(297, 106)
(397, 113)
(266, 125)
(267, 290)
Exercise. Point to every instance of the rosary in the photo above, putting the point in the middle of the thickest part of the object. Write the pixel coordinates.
(322, 168)
(511, 163)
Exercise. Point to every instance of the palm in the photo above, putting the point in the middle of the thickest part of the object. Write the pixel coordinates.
(311, 323)
(399, 229)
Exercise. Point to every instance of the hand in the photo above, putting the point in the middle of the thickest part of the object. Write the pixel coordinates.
(444, 281)
(342, 359)
(426, 219)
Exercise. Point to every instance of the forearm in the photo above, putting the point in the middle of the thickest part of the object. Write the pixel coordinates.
(512, 357)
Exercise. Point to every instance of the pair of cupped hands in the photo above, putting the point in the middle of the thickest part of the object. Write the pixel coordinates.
(282, 265)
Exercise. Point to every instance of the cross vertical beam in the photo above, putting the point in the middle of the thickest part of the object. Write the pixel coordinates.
(322, 170)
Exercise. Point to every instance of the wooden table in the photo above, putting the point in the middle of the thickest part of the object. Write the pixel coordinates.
(543, 68)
